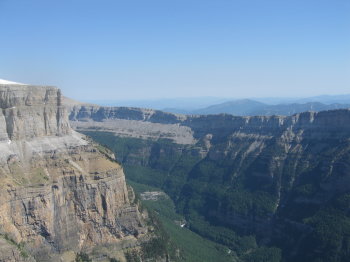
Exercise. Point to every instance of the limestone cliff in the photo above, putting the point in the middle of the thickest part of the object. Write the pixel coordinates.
(58, 193)
(130, 122)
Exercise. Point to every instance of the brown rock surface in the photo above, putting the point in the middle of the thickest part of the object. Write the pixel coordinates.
(58, 193)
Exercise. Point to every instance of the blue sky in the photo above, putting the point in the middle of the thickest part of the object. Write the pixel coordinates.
(136, 49)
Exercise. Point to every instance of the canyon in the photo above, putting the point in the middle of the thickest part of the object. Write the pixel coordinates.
(282, 179)
(266, 188)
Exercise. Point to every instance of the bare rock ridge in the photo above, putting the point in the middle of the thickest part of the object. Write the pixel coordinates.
(131, 122)
(181, 129)
(58, 193)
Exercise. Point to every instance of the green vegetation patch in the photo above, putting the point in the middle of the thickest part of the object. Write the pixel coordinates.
(187, 245)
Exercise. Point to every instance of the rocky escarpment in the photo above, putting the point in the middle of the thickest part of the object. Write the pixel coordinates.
(92, 117)
(284, 180)
(58, 194)
(29, 112)
(131, 122)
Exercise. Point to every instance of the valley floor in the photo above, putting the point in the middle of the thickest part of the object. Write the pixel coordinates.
(185, 244)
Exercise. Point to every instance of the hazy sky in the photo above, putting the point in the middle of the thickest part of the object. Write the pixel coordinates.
(177, 48)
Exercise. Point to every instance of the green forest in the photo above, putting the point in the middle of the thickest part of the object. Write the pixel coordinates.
(239, 215)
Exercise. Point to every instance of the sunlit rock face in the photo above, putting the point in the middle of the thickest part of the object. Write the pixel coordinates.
(58, 193)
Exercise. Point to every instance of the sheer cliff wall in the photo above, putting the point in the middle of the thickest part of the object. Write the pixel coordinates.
(58, 193)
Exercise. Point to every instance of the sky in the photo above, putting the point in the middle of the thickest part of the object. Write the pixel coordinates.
(143, 49)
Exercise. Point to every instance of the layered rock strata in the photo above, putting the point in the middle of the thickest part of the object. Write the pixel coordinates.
(131, 122)
(188, 130)
(58, 193)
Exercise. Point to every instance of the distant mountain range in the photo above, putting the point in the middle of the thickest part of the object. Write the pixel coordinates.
(248, 107)
(241, 107)
(324, 99)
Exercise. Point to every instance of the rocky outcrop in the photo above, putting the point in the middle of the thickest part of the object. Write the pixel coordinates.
(31, 111)
(88, 112)
(58, 193)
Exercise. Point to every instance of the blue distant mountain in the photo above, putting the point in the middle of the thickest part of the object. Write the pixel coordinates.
(248, 107)
(241, 107)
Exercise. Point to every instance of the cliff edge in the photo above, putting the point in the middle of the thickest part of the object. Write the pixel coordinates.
(58, 194)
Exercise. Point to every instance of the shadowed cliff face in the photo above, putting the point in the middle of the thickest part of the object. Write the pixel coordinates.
(283, 179)
(58, 193)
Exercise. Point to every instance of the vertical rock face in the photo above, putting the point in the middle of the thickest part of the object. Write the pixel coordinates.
(57, 191)
(31, 111)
